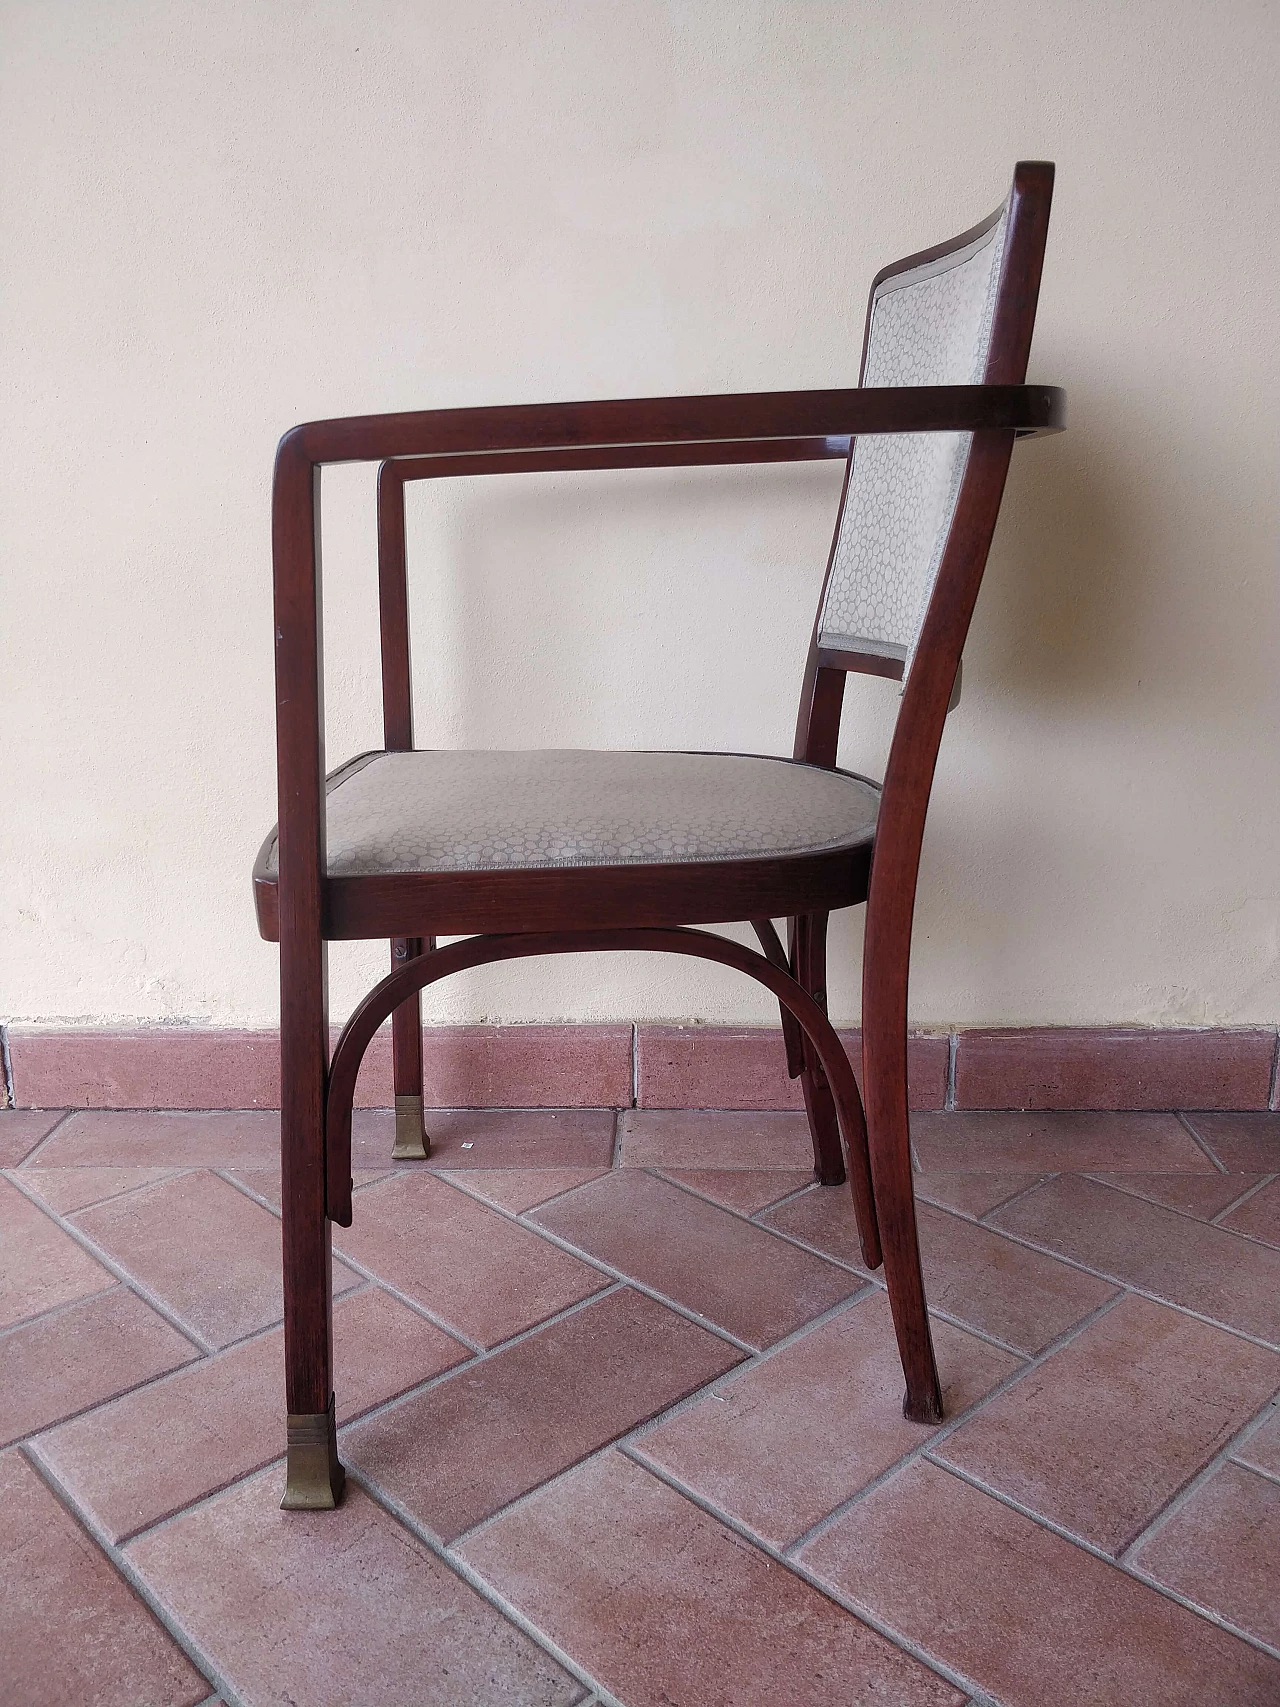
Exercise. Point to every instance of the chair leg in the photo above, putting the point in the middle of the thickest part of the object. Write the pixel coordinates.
(412, 1142)
(809, 938)
(884, 1064)
(313, 1477)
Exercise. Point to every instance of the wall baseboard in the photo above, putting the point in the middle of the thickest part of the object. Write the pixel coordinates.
(651, 1066)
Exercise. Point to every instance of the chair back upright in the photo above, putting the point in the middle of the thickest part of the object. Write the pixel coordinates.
(929, 322)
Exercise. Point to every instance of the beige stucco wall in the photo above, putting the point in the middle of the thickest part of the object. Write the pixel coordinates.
(222, 218)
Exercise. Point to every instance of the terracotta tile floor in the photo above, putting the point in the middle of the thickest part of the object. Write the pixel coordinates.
(621, 1413)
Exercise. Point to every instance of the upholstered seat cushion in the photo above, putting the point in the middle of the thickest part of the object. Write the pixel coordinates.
(495, 811)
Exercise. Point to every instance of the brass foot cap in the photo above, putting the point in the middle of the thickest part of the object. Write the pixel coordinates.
(412, 1143)
(313, 1476)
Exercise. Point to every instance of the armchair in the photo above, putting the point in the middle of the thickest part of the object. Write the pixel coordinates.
(548, 852)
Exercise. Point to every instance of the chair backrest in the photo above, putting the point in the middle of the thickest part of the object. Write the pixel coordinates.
(929, 322)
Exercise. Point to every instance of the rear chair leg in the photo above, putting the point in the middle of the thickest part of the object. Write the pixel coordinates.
(412, 1142)
(809, 950)
(884, 1058)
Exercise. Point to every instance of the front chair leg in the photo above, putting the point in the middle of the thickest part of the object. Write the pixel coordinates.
(313, 1476)
(412, 1141)
(809, 947)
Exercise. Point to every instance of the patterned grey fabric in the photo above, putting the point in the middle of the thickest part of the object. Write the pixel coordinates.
(492, 811)
(931, 326)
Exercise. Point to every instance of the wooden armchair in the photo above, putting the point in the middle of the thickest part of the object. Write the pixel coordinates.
(548, 852)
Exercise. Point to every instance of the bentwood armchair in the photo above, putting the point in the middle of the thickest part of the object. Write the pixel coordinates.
(527, 853)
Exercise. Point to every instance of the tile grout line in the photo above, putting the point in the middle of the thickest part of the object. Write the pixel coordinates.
(418, 1308)
(655, 1172)
(1117, 1183)
(619, 1277)
(118, 1270)
(781, 1203)
(373, 1411)
(806, 1575)
(57, 1126)
(1038, 1518)
(40, 1316)
(119, 1196)
(1210, 1616)
(198, 1503)
(635, 1064)
(1271, 1476)
(708, 1390)
(749, 1217)
(373, 1486)
(358, 1108)
(50, 1427)
(1019, 1351)
(83, 1516)
(800, 1244)
(1238, 1203)
(946, 1429)
(461, 1567)
(949, 1095)
(164, 1376)
(816, 1250)
(877, 1279)
(202, 1499)
(359, 1268)
(613, 1274)
(1004, 1202)
(605, 1268)
(639, 1431)
(1191, 1487)
(542, 1202)
(615, 1152)
(1185, 1120)
(1129, 1285)
(485, 1355)
(1273, 1100)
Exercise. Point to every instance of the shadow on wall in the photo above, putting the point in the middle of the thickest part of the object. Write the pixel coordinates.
(1072, 577)
(1118, 571)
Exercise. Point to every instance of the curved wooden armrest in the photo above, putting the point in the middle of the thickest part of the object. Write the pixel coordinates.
(648, 421)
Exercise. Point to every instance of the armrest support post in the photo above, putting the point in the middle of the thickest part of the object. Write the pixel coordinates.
(393, 612)
(304, 1018)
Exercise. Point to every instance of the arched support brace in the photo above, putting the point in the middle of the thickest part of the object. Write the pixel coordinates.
(385, 997)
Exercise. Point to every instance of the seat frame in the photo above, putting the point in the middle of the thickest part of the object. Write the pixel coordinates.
(652, 907)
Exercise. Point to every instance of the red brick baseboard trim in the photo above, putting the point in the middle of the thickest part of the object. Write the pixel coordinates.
(652, 1066)
(465, 1066)
(705, 1066)
(1136, 1068)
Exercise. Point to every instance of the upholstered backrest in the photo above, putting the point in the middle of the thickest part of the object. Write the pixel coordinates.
(928, 325)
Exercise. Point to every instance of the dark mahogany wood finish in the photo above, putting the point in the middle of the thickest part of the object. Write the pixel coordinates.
(397, 726)
(515, 913)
